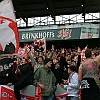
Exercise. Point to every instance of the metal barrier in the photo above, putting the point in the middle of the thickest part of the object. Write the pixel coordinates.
(28, 90)
(30, 93)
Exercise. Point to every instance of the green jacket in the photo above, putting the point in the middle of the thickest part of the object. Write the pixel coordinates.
(46, 77)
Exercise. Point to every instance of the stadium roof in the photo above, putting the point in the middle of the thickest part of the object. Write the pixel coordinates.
(40, 8)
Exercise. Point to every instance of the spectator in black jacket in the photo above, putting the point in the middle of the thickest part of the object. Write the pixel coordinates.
(25, 79)
(57, 72)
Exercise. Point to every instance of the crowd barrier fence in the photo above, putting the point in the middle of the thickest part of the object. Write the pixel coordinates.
(30, 93)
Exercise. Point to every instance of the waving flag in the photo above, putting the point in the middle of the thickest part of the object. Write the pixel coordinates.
(22, 53)
(83, 58)
(40, 45)
(9, 40)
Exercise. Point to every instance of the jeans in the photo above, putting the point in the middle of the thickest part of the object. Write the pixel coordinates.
(47, 97)
(72, 98)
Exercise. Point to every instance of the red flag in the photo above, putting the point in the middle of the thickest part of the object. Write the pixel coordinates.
(22, 53)
(40, 44)
(38, 94)
(1, 47)
(83, 58)
(8, 26)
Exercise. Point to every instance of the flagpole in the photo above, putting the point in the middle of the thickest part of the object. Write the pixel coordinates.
(0, 93)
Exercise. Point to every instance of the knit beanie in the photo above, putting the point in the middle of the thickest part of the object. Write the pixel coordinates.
(47, 60)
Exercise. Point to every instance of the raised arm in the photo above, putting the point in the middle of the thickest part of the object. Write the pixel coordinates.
(80, 76)
(33, 61)
(97, 59)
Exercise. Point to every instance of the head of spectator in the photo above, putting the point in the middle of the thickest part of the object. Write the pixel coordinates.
(73, 63)
(40, 60)
(24, 60)
(57, 65)
(19, 60)
(48, 62)
(71, 68)
(88, 53)
(54, 56)
(93, 55)
(69, 62)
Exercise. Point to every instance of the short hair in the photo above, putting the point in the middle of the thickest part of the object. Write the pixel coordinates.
(47, 60)
(41, 57)
(72, 68)
(88, 53)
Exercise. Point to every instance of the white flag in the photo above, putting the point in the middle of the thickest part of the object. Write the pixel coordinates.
(9, 39)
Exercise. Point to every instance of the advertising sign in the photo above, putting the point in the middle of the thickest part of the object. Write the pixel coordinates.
(89, 33)
(51, 34)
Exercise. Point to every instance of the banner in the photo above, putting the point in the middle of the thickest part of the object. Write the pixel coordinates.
(87, 33)
(28, 35)
(8, 94)
(9, 39)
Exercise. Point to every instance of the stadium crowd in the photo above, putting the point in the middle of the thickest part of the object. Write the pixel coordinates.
(47, 70)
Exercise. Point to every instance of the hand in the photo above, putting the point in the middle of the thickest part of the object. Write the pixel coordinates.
(41, 86)
(53, 47)
(27, 49)
(32, 50)
(66, 82)
(17, 71)
(9, 84)
(63, 51)
(79, 50)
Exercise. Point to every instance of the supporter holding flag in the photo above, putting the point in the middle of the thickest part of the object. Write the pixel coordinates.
(25, 78)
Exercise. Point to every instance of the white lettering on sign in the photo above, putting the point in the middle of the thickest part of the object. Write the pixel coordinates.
(6, 95)
(37, 35)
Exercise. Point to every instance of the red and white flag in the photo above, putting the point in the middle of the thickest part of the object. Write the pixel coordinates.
(40, 45)
(22, 53)
(8, 26)
(83, 58)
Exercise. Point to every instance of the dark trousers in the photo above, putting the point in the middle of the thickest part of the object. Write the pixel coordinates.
(18, 86)
(47, 97)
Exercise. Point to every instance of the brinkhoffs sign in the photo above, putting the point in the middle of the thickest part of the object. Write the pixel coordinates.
(56, 34)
